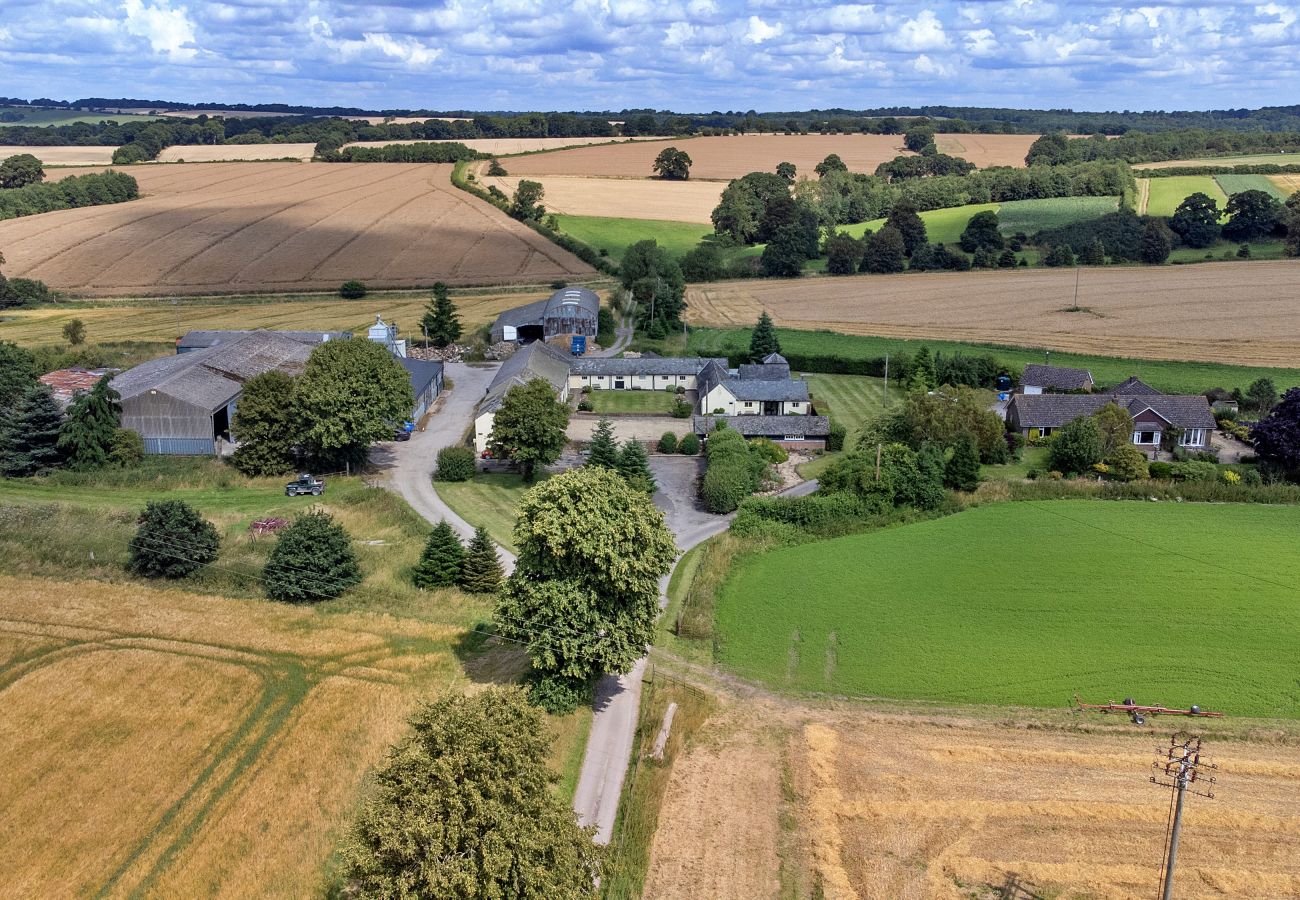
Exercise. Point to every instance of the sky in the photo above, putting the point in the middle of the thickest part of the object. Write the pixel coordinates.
(684, 55)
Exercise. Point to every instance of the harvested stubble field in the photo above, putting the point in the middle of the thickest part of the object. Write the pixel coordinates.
(776, 800)
(1230, 312)
(505, 146)
(277, 227)
(730, 157)
(169, 744)
(676, 201)
(63, 156)
(1288, 184)
(234, 152)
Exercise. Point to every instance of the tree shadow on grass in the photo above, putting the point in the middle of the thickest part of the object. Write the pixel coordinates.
(487, 659)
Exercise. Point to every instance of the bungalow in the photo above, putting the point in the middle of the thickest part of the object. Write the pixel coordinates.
(1040, 379)
(536, 360)
(650, 373)
(1040, 415)
(791, 432)
(764, 389)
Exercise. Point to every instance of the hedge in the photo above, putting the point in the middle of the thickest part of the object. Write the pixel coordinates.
(733, 471)
(455, 464)
(98, 189)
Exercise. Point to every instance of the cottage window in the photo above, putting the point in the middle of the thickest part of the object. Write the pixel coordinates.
(1044, 432)
(1192, 437)
(793, 437)
(1146, 437)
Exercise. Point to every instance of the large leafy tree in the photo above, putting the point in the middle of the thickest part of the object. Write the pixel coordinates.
(831, 163)
(526, 204)
(982, 232)
(463, 809)
(350, 395)
(1115, 426)
(904, 219)
(843, 253)
(584, 594)
(745, 203)
(266, 425)
(29, 434)
(655, 279)
(1277, 435)
(785, 253)
(1156, 243)
(441, 323)
(944, 418)
(1196, 220)
(172, 541)
(480, 572)
(18, 372)
(672, 163)
(1076, 447)
(1262, 395)
(529, 427)
(312, 561)
(885, 252)
(786, 170)
(763, 342)
(86, 438)
(1251, 214)
(20, 171)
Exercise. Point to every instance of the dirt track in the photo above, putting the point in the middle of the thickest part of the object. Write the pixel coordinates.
(237, 227)
(1231, 312)
(731, 157)
(934, 806)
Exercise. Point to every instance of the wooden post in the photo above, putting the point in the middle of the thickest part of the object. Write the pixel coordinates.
(662, 738)
(879, 447)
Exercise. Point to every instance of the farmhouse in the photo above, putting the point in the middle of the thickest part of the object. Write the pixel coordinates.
(765, 389)
(791, 432)
(1039, 415)
(1040, 379)
(651, 373)
(570, 310)
(537, 360)
(184, 404)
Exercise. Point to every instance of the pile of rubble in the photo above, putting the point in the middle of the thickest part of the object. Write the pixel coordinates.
(448, 354)
(501, 350)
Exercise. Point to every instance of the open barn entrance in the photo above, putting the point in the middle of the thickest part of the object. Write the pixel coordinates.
(530, 333)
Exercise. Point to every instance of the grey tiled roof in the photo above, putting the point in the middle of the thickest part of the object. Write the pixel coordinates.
(535, 360)
(198, 340)
(776, 359)
(767, 426)
(659, 365)
(1060, 378)
(211, 378)
(764, 371)
(1134, 387)
(1055, 410)
(529, 314)
(787, 389)
(422, 372)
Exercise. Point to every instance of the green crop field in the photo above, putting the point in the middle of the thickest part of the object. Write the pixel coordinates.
(944, 226)
(1170, 376)
(1235, 184)
(1167, 193)
(614, 236)
(32, 116)
(1031, 603)
(644, 402)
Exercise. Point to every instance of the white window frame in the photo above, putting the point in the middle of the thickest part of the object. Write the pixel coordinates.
(1137, 438)
(793, 437)
(1186, 439)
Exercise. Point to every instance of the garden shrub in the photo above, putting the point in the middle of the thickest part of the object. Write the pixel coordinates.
(173, 541)
(682, 409)
(1195, 470)
(835, 438)
(455, 464)
(769, 451)
(668, 443)
(733, 472)
(126, 449)
(1127, 464)
(312, 561)
(1161, 471)
(689, 445)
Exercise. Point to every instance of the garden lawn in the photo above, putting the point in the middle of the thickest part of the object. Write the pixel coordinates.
(488, 500)
(646, 402)
(1030, 458)
(1235, 184)
(1032, 603)
(1170, 376)
(851, 400)
(1167, 193)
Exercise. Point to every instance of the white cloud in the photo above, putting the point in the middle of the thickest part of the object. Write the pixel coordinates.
(925, 32)
(404, 50)
(169, 31)
(759, 31)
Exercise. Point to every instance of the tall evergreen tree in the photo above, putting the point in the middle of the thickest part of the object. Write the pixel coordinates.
(481, 572)
(923, 376)
(86, 438)
(962, 471)
(441, 323)
(29, 434)
(603, 451)
(312, 561)
(763, 342)
(634, 466)
(18, 372)
(440, 564)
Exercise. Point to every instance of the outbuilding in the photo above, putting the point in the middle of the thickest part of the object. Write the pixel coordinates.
(568, 311)
(791, 432)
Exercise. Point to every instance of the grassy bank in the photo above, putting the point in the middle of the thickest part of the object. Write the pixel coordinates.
(487, 500)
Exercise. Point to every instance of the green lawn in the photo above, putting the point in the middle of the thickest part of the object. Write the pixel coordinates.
(1171, 376)
(487, 500)
(852, 400)
(1030, 458)
(1267, 249)
(615, 402)
(32, 116)
(944, 226)
(1167, 193)
(614, 236)
(1030, 603)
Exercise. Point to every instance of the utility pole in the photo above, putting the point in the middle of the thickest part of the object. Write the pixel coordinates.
(1180, 766)
(886, 401)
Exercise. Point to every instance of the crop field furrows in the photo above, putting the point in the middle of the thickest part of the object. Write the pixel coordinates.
(187, 724)
(1287, 184)
(1229, 312)
(1235, 184)
(1166, 193)
(234, 227)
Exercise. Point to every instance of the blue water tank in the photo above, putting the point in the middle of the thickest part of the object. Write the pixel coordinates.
(579, 345)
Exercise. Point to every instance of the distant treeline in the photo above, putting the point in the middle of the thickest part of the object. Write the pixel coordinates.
(79, 190)
(401, 153)
(1192, 143)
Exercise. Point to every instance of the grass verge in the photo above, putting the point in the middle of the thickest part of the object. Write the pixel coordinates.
(489, 500)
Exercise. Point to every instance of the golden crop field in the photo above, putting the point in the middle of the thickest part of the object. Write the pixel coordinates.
(1288, 183)
(774, 799)
(163, 743)
(64, 156)
(277, 227)
(234, 153)
(1230, 312)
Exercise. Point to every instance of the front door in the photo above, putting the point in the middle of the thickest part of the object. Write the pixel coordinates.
(620, 384)
(771, 408)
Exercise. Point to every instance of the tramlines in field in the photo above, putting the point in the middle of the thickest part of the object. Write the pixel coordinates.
(226, 228)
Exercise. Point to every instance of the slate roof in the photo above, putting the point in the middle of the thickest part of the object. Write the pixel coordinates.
(1057, 378)
(787, 389)
(1134, 387)
(767, 426)
(764, 371)
(212, 377)
(665, 365)
(776, 359)
(1056, 410)
(422, 372)
(199, 340)
(535, 360)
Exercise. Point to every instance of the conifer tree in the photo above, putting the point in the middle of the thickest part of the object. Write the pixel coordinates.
(440, 564)
(29, 434)
(923, 377)
(312, 561)
(440, 322)
(480, 573)
(962, 472)
(634, 466)
(603, 451)
(86, 438)
(764, 342)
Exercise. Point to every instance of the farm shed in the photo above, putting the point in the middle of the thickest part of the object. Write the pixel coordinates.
(570, 310)
(652, 373)
(537, 360)
(201, 340)
(791, 432)
(1040, 379)
(183, 404)
(1040, 415)
(426, 382)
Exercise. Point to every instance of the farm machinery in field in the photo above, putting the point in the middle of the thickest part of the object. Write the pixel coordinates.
(1138, 713)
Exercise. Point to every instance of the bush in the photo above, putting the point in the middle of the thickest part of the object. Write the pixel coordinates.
(681, 409)
(558, 694)
(312, 561)
(352, 290)
(455, 464)
(1161, 471)
(173, 541)
(441, 561)
(733, 472)
(836, 437)
(126, 449)
(668, 443)
(1127, 464)
(23, 291)
(1195, 471)
(689, 445)
(768, 451)
(585, 405)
